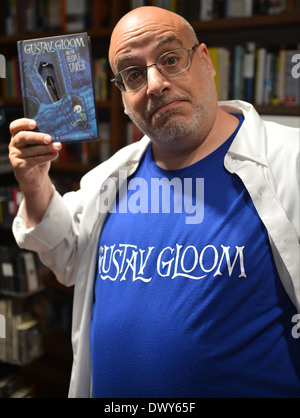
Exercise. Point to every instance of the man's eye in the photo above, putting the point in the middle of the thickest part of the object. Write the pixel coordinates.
(133, 75)
(169, 61)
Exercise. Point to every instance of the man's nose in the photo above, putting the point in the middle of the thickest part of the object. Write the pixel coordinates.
(156, 81)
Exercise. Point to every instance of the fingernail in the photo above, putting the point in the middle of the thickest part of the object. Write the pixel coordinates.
(47, 139)
(57, 146)
(32, 124)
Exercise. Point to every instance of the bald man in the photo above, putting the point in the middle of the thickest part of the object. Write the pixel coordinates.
(183, 247)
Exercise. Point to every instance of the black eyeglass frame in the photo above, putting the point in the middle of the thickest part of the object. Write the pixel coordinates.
(114, 80)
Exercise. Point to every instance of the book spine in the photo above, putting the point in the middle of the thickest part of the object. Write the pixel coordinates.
(249, 73)
(260, 76)
(206, 10)
(22, 74)
(238, 90)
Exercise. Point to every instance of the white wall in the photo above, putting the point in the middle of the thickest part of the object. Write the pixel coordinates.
(293, 121)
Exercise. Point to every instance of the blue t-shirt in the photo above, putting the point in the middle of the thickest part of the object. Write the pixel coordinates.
(187, 300)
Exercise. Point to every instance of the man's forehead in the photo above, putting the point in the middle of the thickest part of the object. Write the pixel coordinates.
(143, 25)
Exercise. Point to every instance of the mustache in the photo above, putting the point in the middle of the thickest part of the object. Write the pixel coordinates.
(156, 104)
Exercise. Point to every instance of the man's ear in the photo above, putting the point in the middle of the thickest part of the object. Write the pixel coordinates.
(204, 54)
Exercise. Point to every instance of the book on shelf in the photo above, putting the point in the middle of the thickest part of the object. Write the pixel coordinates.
(10, 199)
(11, 87)
(5, 166)
(28, 340)
(18, 271)
(105, 143)
(133, 133)
(57, 86)
(249, 72)
(101, 78)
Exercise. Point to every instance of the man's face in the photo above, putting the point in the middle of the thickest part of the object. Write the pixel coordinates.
(170, 110)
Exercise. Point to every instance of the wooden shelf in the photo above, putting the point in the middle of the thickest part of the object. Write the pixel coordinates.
(279, 110)
(12, 39)
(256, 21)
(20, 295)
(11, 101)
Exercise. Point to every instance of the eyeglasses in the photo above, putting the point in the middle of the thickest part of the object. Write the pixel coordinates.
(170, 63)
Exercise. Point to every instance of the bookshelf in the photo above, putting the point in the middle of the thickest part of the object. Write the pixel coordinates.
(272, 31)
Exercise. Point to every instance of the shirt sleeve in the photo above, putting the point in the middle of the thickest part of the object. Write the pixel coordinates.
(55, 225)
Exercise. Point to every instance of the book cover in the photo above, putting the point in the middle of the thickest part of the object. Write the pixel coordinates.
(57, 86)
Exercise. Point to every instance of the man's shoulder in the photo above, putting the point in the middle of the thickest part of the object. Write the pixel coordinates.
(286, 138)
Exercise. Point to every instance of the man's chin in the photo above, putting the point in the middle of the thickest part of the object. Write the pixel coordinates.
(170, 114)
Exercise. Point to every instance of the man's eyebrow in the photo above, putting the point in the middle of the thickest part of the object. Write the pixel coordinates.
(121, 62)
(168, 40)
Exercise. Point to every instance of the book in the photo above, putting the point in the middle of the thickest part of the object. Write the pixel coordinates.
(224, 72)
(56, 76)
(291, 82)
(237, 82)
(213, 53)
(28, 341)
(206, 10)
(101, 78)
(269, 78)
(249, 72)
(260, 75)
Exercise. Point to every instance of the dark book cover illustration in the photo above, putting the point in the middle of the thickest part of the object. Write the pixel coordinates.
(57, 86)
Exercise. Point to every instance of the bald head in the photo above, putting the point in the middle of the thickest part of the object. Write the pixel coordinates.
(145, 24)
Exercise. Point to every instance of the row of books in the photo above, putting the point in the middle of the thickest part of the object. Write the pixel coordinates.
(22, 340)
(221, 9)
(34, 16)
(257, 75)
(19, 272)
(10, 199)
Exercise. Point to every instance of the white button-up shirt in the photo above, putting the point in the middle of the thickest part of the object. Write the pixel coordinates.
(264, 155)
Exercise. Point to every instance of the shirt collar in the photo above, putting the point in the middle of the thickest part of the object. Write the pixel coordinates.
(249, 143)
